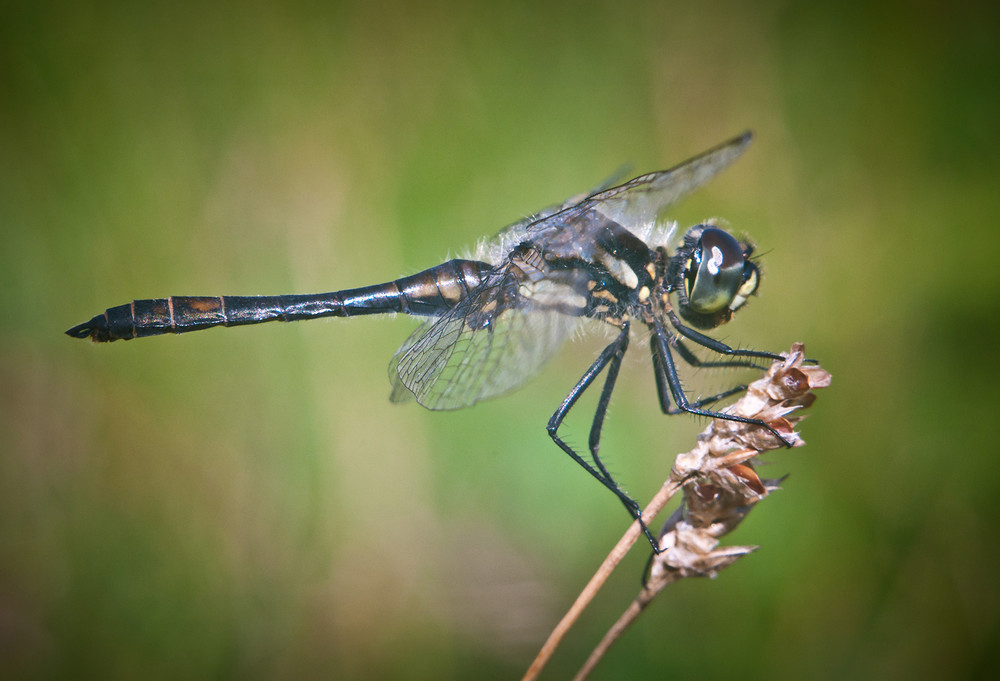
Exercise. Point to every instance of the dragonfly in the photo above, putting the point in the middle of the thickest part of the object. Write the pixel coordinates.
(492, 320)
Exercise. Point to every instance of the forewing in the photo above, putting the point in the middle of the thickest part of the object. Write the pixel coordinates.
(639, 203)
(552, 217)
(488, 344)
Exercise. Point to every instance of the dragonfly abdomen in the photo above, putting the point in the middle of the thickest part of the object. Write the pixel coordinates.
(429, 292)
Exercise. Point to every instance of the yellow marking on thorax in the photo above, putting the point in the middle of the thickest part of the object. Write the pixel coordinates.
(620, 270)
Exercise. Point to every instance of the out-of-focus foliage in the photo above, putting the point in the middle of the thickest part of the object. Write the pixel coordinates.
(247, 504)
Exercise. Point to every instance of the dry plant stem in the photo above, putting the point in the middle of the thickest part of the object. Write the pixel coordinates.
(720, 487)
(662, 498)
(630, 615)
(614, 633)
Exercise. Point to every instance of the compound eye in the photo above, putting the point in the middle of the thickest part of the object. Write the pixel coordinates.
(751, 279)
(718, 277)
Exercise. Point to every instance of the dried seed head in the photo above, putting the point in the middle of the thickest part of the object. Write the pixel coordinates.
(720, 483)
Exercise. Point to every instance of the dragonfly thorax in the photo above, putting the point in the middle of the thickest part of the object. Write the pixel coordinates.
(621, 280)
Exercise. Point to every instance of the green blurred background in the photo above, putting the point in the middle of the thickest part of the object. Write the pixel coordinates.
(247, 503)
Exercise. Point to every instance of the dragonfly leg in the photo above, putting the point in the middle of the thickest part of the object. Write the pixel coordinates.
(694, 360)
(716, 345)
(663, 388)
(668, 384)
(610, 359)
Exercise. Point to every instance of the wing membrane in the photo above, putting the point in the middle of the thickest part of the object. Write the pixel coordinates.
(639, 203)
(468, 355)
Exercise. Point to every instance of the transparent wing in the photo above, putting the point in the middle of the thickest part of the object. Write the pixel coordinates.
(488, 344)
(532, 223)
(641, 201)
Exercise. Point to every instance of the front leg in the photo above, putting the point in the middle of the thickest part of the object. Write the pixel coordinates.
(668, 383)
(713, 344)
(718, 346)
(694, 360)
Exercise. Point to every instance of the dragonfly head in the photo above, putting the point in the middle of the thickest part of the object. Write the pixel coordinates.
(717, 276)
